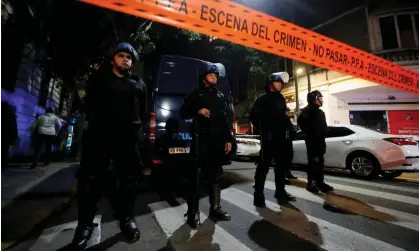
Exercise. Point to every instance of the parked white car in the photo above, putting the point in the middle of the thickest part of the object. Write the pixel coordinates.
(248, 146)
(365, 152)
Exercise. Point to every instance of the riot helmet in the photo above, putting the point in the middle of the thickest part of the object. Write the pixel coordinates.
(210, 68)
(281, 77)
(314, 96)
(119, 63)
(128, 48)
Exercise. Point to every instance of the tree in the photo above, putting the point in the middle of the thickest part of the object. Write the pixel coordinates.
(70, 35)
(247, 67)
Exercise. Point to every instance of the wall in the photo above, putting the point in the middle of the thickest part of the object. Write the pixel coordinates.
(383, 107)
(339, 91)
(359, 28)
(382, 8)
(350, 29)
(404, 122)
(25, 99)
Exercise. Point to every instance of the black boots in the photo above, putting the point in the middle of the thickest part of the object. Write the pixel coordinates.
(84, 232)
(259, 200)
(312, 187)
(316, 187)
(258, 196)
(216, 213)
(129, 229)
(193, 218)
(325, 188)
(283, 195)
(82, 236)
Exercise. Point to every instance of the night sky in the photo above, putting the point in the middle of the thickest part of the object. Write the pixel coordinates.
(306, 13)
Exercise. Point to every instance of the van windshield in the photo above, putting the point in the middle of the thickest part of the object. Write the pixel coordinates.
(177, 76)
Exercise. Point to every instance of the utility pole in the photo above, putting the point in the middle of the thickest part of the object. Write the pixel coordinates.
(297, 99)
(308, 80)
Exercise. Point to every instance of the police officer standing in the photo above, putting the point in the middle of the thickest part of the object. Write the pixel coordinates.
(212, 139)
(312, 122)
(115, 102)
(269, 115)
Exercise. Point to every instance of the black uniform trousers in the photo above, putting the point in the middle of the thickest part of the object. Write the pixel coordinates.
(97, 177)
(209, 153)
(315, 156)
(282, 152)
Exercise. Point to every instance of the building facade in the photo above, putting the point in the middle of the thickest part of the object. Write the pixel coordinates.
(29, 95)
(387, 30)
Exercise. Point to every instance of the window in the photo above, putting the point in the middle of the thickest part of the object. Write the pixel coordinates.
(375, 120)
(407, 36)
(177, 76)
(374, 130)
(399, 31)
(388, 33)
(334, 132)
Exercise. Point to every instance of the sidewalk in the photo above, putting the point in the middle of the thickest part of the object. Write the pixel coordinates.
(409, 176)
(31, 196)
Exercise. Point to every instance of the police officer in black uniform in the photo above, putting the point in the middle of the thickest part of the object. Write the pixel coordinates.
(212, 139)
(114, 105)
(269, 115)
(312, 122)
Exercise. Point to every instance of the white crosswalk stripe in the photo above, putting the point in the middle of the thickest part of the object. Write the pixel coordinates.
(182, 237)
(362, 227)
(326, 235)
(48, 235)
(374, 184)
(401, 218)
(373, 193)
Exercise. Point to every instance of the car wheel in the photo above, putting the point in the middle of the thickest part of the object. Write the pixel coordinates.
(363, 165)
(391, 174)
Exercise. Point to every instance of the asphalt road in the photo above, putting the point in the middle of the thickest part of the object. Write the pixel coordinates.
(360, 215)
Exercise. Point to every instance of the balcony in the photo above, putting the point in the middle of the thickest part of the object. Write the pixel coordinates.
(399, 55)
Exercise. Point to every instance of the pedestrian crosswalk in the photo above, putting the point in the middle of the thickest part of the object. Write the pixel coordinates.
(359, 215)
(333, 237)
(182, 237)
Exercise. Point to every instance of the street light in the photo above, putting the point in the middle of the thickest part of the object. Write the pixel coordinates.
(300, 70)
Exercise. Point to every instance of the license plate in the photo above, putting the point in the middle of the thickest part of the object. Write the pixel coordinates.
(179, 150)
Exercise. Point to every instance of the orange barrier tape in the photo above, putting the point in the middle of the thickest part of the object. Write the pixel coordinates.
(236, 23)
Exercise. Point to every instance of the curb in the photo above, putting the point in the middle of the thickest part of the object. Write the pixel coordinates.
(408, 179)
(34, 226)
(22, 190)
(39, 227)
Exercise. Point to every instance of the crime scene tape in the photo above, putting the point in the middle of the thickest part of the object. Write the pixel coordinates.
(238, 24)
